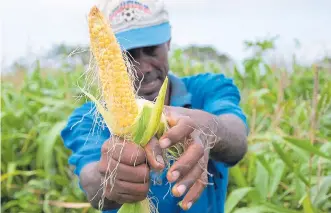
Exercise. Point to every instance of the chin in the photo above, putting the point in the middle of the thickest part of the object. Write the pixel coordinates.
(150, 96)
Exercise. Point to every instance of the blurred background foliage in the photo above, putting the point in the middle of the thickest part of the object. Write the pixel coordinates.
(287, 168)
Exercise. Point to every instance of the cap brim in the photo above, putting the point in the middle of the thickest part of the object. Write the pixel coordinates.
(147, 36)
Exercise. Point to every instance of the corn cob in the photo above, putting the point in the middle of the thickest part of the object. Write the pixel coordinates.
(123, 111)
(125, 115)
(116, 86)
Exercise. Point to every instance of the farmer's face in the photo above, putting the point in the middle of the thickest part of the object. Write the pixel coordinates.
(151, 68)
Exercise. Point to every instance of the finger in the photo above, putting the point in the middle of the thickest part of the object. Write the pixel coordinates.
(123, 172)
(181, 127)
(154, 155)
(195, 192)
(187, 160)
(187, 181)
(172, 111)
(139, 174)
(124, 192)
(127, 198)
(136, 189)
(123, 151)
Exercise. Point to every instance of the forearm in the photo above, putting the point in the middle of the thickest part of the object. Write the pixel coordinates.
(230, 139)
(91, 180)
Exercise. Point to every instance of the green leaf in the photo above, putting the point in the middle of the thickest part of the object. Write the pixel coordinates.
(10, 169)
(10, 205)
(251, 167)
(138, 207)
(235, 197)
(287, 160)
(260, 93)
(307, 206)
(261, 181)
(320, 192)
(48, 144)
(276, 178)
(238, 176)
(18, 173)
(48, 100)
(307, 146)
(264, 163)
(300, 188)
(254, 209)
(16, 136)
(269, 207)
(155, 115)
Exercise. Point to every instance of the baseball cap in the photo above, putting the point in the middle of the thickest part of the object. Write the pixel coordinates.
(138, 23)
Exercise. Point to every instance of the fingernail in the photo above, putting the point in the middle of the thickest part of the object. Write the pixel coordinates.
(189, 205)
(181, 189)
(159, 159)
(164, 143)
(175, 175)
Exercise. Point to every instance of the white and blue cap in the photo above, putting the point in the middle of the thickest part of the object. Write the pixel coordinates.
(138, 23)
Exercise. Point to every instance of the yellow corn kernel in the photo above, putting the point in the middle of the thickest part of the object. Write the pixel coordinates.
(116, 84)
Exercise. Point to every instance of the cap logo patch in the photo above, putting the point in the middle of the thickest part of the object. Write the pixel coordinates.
(129, 11)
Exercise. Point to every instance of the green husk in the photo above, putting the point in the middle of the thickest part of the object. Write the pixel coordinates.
(138, 207)
(149, 119)
(150, 123)
(147, 126)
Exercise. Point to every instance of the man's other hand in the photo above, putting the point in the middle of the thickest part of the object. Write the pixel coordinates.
(123, 166)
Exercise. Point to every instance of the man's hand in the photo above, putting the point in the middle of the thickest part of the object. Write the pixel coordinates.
(223, 138)
(190, 170)
(123, 166)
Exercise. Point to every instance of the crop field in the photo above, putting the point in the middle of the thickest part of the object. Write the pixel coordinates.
(287, 168)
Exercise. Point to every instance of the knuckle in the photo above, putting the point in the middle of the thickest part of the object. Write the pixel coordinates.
(190, 121)
(141, 156)
(146, 188)
(189, 183)
(141, 198)
(110, 194)
(106, 164)
(196, 195)
(199, 149)
(121, 200)
(102, 168)
(144, 173)
(145, 168)
(187, 121)
(143, 190)
(119, 185)
(106, 146)
(137, 152)
(200, 171)
(203, 182)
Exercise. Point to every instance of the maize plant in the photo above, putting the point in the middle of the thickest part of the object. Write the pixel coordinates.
(143, 119)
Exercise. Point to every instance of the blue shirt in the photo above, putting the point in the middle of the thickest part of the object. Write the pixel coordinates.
(213, 93)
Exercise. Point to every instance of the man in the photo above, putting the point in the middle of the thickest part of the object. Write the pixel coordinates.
(204, 108)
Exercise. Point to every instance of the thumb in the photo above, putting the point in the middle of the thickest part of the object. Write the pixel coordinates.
(173, 114)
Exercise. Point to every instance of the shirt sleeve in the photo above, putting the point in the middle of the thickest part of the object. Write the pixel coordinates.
(84, 136)
(218, 94)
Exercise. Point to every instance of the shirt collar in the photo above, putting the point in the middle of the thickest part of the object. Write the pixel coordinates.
(179, 94)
